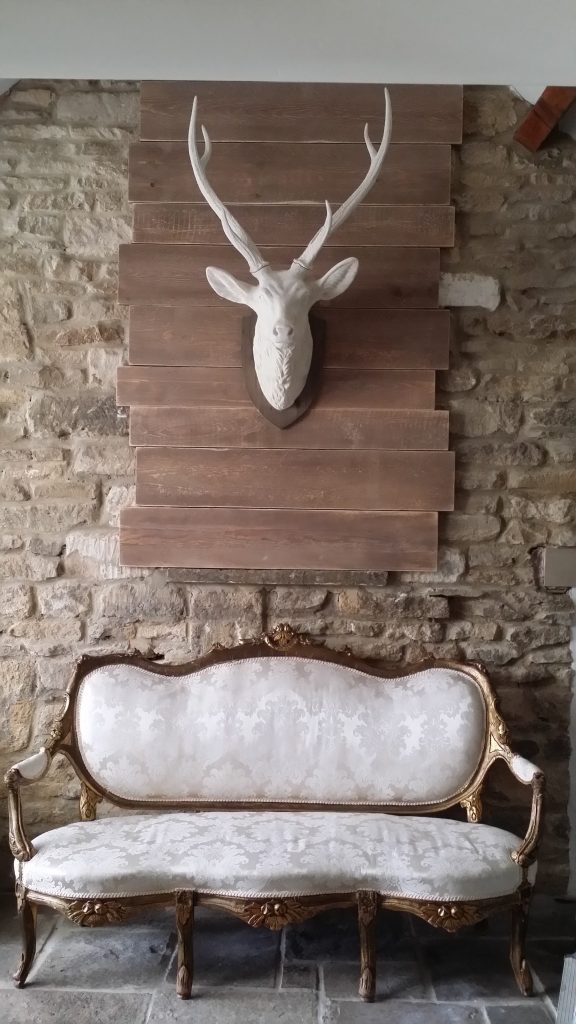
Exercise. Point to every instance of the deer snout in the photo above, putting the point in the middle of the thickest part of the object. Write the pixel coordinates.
(282, 330)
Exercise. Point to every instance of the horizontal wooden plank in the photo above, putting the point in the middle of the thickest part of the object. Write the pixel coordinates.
(366, 339)
(176, 274)
(288, 172)
(233, 538)
(296, 478)
(275, 111)
(169, 386)
(207, 426)
(193, 223)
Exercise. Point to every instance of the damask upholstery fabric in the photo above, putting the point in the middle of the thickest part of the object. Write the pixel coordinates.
(287, 729)
(274, 853)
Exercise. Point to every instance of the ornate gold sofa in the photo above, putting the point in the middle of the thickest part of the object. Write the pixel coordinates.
(316, 782)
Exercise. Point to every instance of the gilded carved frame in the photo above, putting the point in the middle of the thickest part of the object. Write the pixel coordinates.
(276, 913)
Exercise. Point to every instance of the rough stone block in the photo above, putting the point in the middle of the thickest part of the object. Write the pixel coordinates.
(63, 598)
(16, 725)
(47, 636)
(28, 567)
(38, 98)
(93, 108)
(233, 603)
(118, 497)
(17, 680)
(112, 457)
(94, 236)
(103, 366)
(375, 604)
(461, 527)
(88, 414)
(15, 600)
(451, 567)
(131, 601)
(297, 599)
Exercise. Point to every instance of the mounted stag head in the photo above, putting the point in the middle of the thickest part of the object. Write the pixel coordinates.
(282, 299)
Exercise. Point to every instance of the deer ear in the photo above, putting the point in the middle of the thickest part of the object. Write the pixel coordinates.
(338, 279)
(227, 286)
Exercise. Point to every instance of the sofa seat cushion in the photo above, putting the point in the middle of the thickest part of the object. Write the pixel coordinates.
(273, 853)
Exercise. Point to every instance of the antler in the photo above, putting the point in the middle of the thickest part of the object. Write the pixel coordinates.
(232, 229)
(334, 220)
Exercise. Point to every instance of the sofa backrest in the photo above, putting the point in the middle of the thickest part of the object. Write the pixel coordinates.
(279, 729)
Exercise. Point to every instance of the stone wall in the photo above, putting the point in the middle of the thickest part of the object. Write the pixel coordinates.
(66, 468)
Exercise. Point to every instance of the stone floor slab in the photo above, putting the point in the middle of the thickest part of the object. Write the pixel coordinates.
(467, 970)
(213, 1006)
(525, 1014)
(547, 960)
(394, 980)
(59, 1007)
(299, 976)
(399, 1012)
(111, 958)
(334, 936)
(227, 952)
(10, 938)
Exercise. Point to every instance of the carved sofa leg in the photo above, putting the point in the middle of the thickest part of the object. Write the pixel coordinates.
(28, 922)
(184, 927)
(520, 965)
(367, 910)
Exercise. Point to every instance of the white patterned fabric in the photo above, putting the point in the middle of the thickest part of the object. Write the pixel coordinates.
(280, 729)
(274, 853)
(523, 769)
(33, 767)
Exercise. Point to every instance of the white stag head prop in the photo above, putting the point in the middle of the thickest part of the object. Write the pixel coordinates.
(282, 299)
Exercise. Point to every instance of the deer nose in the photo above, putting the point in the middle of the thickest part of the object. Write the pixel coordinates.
(283, 330)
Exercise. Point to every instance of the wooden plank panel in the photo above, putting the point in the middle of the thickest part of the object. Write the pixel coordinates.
(297, 478)
(207, 426)
(247, 172)
(233, 538)
(366, 339)
(225, 387)
(193, 223)
(176, 274)
(275, 111)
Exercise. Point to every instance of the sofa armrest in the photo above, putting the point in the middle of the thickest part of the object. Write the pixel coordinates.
(529, 775)
(23, 773)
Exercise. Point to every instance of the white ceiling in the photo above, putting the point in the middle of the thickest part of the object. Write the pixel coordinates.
(459, 41)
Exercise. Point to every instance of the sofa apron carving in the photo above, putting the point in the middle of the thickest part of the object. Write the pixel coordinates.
(353, 820)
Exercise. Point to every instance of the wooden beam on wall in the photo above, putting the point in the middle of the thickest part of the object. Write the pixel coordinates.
(544, 116)
(207, 426)
(385, 339)
(233, 538)
(175, 275)
(285, 111)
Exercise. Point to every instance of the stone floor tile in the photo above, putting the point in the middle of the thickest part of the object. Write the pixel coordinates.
(527, 1013)
(396, 1011)
(394, 980)
(228, 952)
(111, 958)
(213, 1006)
(546, 958)
(59, 1007)
(464, 969)
(334, 936)
(299, 976)
(10, 938)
